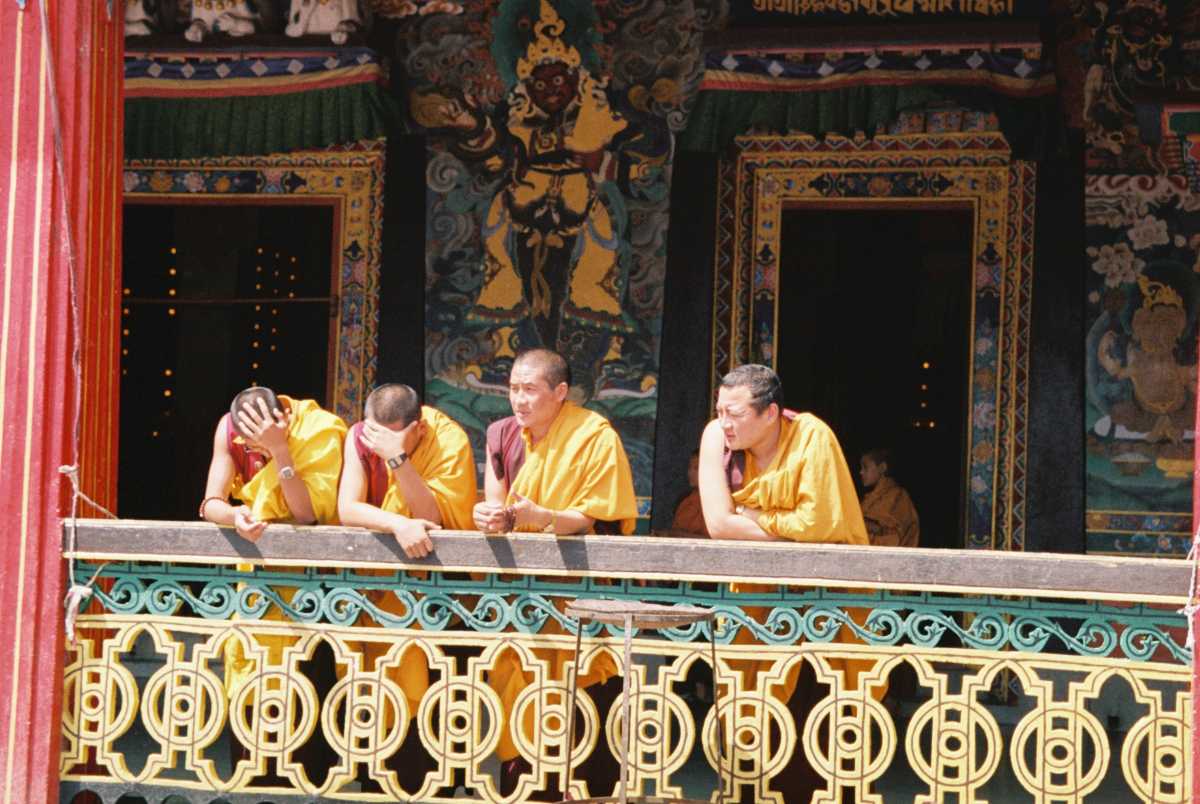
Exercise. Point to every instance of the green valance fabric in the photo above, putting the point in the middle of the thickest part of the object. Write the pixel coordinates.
(721, 115)
(191, 127)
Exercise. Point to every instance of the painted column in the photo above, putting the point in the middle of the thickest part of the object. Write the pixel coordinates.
(59, 196)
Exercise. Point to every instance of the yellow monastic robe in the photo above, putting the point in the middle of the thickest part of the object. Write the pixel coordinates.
(889, 505)
(315, 442)
(579, 466)
(444, 461)
(689, 516)
(806, 494)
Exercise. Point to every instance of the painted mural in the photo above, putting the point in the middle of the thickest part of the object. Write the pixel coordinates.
(551, 128)
(1143, 298)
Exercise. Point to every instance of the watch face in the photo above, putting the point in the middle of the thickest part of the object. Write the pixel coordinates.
(393, 463)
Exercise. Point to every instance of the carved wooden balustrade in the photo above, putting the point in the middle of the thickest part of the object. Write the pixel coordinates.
(1031, 677)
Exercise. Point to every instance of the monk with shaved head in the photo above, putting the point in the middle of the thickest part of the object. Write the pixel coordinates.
(552, 467)
(280, 459)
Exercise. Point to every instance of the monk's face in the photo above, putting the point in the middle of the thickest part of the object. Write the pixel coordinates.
(534, 402)
(743, 426)
(870, 472)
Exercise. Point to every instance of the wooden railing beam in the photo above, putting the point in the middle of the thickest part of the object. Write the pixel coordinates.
(967, 571)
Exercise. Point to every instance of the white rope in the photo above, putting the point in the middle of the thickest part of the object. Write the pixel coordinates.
(76, 593)
(1193, 605)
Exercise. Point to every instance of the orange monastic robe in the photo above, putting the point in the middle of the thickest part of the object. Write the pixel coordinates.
(444, 461)
(689, 517)
(890, 507)
(579, 466)
(315, 442)
(806, 494)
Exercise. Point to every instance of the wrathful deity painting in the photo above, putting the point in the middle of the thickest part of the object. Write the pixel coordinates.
(1143, 299)
(548, 175)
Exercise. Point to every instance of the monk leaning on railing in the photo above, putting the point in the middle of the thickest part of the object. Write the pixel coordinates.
(769, 474)
(557, 468)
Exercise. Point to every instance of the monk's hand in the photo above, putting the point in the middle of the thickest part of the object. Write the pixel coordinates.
(413, 536)
(527, 513)
(489, 517)
(246, 525)
(388, 443)
(263, 426)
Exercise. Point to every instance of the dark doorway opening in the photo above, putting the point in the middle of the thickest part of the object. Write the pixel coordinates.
(216, 297)
(874, 318)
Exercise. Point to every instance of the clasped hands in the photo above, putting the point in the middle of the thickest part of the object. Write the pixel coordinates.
(496, 518)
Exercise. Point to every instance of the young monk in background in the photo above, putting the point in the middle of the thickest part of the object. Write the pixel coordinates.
(891, 517)
(689, 516)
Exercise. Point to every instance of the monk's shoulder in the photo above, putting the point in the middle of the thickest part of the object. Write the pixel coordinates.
(812, 430)
(446, 430)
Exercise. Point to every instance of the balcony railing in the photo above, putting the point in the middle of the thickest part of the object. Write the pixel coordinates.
(333, 667)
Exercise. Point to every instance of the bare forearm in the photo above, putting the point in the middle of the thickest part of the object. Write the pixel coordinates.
(365, 515)
(295, 493)
(738, 527)
(421, 502)
(218, 511)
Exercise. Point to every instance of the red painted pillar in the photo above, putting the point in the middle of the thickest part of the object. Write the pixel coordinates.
(47, 210)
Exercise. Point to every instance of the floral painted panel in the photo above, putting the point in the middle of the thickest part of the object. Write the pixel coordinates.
(1143, 297)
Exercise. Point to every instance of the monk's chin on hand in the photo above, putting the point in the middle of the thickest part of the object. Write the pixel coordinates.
(246, 525)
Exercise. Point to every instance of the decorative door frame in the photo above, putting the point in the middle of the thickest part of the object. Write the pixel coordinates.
(350, 179)
(772, 173)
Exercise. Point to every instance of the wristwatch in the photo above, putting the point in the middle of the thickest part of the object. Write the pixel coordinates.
(286, 473)
(398, 460)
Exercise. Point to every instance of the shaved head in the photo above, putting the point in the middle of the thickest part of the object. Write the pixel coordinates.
(548, 364)
(394, 403)
(250, 397)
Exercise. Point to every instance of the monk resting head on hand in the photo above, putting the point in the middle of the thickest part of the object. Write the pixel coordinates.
(406, 468)
(279, 457)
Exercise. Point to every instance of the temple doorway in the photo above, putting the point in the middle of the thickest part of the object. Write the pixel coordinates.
(216, 297)
(874, 337)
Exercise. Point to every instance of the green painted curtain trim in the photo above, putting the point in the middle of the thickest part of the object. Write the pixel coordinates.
(185, 128)
(721, 115)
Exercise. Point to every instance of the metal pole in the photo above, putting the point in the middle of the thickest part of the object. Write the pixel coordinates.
(625, 705)
(712, 642)
(571, 710)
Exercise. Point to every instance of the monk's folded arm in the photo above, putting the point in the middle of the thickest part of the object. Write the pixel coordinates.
(421, 502)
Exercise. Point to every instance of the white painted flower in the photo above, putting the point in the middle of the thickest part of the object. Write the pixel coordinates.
(1147, 232)
(978, 484)
(1117, 264)
(193, 181)
(985, 415)
(983, 346)
(1180, 241)
(130, 181)
(1094, 297)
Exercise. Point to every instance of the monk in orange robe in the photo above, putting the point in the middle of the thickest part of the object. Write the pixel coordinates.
(689, 516)
(406, 468)
(553, 467)
(281, 458)
(771, 474)
(891, 517)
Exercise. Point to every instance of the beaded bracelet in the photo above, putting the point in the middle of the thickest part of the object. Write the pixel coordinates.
(205, 503)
